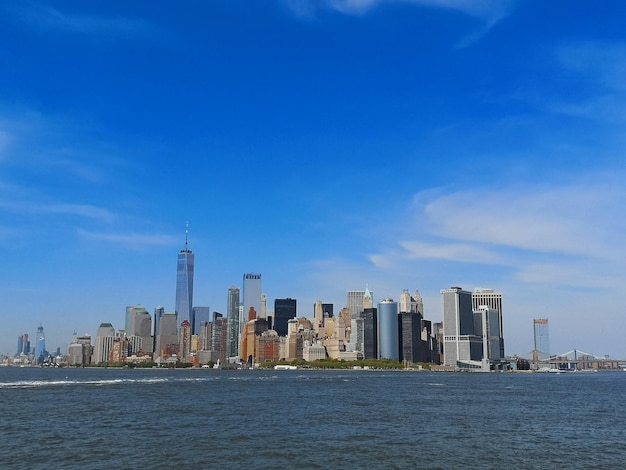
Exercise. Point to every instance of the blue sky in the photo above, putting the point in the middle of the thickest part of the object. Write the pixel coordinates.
(407, 144)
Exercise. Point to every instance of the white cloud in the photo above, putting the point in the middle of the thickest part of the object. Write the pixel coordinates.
(131, 240)
(81, 210)
(578, 219)
(488, 11)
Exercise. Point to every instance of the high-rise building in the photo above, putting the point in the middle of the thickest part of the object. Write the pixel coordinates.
(232, 313)
(104, 343)
(358, 300)
(139, 323)
(493, 300)
(251, 296)
(542, 339)
(459, 341)
(184, 342)
(184, 281)
(328, 310)
(40, 351)
(158, 313)
(487, 326)
(388, 344)
(370, 333)
(410, 335)
(411, 303)
(167, 339)
(284, 310)
(23, 345)
(198, 316)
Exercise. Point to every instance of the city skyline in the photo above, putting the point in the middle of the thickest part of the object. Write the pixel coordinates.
(329, 145)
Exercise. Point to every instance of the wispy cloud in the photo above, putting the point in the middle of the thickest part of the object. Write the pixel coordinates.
(79, 210)
(39, 17)
(567, 235)
(487, 11)
(131, 240)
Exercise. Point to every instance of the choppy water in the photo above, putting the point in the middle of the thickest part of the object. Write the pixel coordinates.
(95, 418)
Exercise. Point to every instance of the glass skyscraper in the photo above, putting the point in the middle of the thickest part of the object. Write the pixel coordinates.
(184, 282)
(252, 290)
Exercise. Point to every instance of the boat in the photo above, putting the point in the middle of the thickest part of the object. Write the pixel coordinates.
(284, 367)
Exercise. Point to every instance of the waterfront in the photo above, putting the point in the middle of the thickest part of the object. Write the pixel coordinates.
(105, 418)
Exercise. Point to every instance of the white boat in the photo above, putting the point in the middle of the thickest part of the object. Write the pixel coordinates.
(284, 367)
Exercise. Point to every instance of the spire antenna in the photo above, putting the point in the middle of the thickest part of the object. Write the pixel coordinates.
(186, 236)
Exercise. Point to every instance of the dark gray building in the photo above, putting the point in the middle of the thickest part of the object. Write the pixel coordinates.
(284, 310)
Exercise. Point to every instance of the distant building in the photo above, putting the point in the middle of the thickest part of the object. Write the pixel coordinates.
(487, 326)
(460, 344)
(542, 339)
(184, 281)
(410, 333)
(232, 313)
(493, 300)
(199, 315)
(104, 343)
(184, 342)
(139, 323)
(167, 337)
(80, 351)
(40, 351)
(388, 346)
(357, 301)
(284, 310)
(370, 333)
(252, 292)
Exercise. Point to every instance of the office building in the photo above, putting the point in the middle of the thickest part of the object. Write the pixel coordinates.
(104, 343)
(487, 326)
(40, 348)
(158, 313)
(232, 313)
(184, 281)
(284, 310)
(184, 342)
(370, 333)
(411, 303)
(139, 324)
(251, 296)
(460, 345)
(388, 345)
(199, 315)
(167, 338)
(410, 335)
(542, 339)
(493, 300)
(357, 301)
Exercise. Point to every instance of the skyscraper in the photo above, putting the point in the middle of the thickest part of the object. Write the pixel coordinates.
(184, 281)
(388, 344)
(252, 291)
(199, 315)
(493, 300)
(542, 339)
(359, 300)
(232, 313)
(40, 350)
(284, 310)
(459, 341)
(139, 324)
(104, 343)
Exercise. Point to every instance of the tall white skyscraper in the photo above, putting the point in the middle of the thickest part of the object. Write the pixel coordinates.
(184, 282)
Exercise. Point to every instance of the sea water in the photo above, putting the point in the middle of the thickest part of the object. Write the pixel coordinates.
(117, 418)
